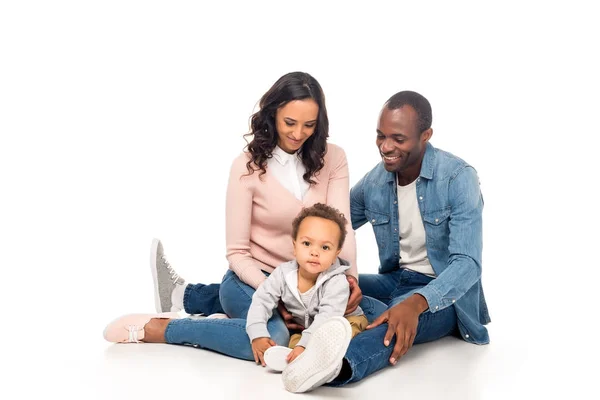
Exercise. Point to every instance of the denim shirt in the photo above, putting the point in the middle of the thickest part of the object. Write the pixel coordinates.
(451, 206)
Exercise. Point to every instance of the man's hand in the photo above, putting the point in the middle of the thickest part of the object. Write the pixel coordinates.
(402, 319)
(355, 295)
(288, 318)
(259, 346)
(294, 353)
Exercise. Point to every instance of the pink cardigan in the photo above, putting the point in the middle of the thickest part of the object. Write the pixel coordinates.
(260, 214)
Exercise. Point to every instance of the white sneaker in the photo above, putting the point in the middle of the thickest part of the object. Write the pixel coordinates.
(217, 316)
(276, 357)
(166, 280)
(321, 362)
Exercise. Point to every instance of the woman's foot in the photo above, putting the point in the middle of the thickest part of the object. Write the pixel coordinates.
(135, 328)
(169, 287)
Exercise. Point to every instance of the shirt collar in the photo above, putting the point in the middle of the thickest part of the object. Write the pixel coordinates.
(426, 166)
(282, 157)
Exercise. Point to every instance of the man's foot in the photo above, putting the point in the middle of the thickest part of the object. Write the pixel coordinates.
(166, 281)
(133, 328)
(322, 360)
(276, 357)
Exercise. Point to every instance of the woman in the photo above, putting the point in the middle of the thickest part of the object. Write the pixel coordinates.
(288, 165)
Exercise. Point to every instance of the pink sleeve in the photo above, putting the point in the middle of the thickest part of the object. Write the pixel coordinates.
(237, 227)
(338, 196)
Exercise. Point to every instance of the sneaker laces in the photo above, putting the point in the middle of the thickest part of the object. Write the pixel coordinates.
(133, 333)
(172, 272)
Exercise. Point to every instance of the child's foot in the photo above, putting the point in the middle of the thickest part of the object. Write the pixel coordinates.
(276, 357)
(169, 287)
(133, 328)
(321, 362)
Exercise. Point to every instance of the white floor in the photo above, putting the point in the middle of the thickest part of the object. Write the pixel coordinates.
(119, 121)
(75, 364)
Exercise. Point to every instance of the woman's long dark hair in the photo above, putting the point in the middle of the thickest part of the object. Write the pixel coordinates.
(263, 128)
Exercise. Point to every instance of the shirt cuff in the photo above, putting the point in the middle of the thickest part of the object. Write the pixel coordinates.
(435, 300)
(257, 330)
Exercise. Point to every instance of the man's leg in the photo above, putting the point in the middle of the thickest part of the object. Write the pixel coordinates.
(379, 286)
(367, 353)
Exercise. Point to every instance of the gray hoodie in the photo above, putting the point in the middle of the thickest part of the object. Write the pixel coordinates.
(329, 299)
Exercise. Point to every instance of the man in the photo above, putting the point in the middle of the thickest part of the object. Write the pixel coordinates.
(425, 207)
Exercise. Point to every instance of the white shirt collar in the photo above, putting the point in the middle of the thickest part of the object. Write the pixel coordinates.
(282, 157)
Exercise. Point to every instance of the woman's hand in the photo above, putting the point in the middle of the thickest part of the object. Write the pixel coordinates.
(355, 295)
(259, 346)
(288, 318)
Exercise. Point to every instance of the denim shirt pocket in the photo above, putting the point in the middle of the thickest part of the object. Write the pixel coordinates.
(381, 228)
(437, 229)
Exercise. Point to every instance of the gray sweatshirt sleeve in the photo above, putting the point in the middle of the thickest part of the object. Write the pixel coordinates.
(264, 300)
(333, 303)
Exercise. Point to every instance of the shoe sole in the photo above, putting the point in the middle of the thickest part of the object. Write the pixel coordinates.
(321, 357)
(275, 357)
(154, 269)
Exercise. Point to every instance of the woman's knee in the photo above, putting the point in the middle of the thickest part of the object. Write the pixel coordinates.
(235, 296)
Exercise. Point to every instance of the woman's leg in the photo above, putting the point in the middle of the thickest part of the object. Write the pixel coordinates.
(235, 297)
(172, 293)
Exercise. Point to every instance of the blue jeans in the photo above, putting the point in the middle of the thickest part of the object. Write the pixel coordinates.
(228, 336)
(366, 353)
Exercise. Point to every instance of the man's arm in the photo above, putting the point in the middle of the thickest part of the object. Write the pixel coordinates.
(463, 269)
(357, 204)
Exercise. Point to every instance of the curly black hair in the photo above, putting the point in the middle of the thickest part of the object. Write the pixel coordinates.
(322, 211)
(290, 87)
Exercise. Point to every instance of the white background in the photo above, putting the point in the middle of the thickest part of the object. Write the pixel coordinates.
(119, 121)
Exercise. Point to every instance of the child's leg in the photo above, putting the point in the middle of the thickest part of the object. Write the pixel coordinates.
(358, 323)
(295, 339)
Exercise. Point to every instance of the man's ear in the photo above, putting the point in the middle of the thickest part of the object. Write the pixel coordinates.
(426, 135)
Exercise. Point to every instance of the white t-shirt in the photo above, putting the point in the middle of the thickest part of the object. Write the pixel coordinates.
(413, 252)
(288, 169)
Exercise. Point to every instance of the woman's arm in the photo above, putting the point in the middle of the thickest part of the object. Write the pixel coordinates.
(238, 224)
(338, 196)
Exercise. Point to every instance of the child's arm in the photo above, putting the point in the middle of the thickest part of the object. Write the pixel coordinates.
(333, 303)
(264, 300)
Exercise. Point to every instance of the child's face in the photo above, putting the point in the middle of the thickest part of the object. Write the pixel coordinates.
(316, 245)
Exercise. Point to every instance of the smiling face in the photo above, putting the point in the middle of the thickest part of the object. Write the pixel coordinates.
(316, 245)
(399, 141)
(296, 121)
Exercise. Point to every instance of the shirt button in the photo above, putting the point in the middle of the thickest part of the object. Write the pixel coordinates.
(436, 307)
(373, 221)
(418, 179)
(467, 336)
(436, 220)
(453, 300)
(395, 230)
(420, 197)
(395, 202)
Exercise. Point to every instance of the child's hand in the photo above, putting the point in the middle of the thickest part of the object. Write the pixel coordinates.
(259, 346)
(294, 353)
